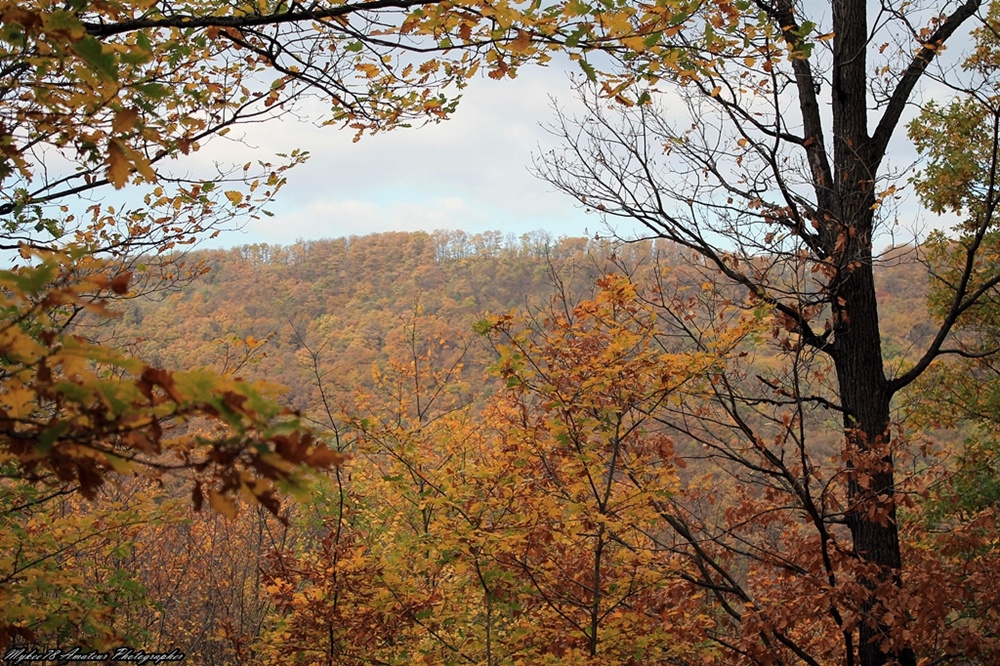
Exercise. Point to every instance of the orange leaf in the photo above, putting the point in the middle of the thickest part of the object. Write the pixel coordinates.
(125, 120)
(222, 504)
(118, 165)
(324, 457)
(119, 284)
(522, 42)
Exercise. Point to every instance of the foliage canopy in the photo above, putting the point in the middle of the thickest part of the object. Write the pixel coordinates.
(781, 201)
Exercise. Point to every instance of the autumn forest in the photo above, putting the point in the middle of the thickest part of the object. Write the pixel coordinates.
(760, 428)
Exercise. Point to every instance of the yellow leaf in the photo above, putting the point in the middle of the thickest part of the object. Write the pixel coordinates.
(139, 162)
(222, 504)
(637, 43)
(235, 197)
(120, 465)
(118, 165)
(20, 401)
(19, 347)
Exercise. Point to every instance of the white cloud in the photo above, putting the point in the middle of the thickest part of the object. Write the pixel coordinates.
(347, 217)
(470, 172)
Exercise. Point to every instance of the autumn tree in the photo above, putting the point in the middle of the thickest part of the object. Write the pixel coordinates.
(368, 579)
(583, 383)
(517, 527)
(54, 539)
(780, 178)
(74, 415)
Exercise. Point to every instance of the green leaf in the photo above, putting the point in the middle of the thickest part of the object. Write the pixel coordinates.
(142, 41)
(589, 70)
(31, 281)
(577, 35)
(64, 21)
(92, 51)
(12, 33)
(49, 436)
(153, 91)
(135, 57)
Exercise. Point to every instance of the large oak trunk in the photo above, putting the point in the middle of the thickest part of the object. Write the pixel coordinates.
(865, 398)
(864, 392)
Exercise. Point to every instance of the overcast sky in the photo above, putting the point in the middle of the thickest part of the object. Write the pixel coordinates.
(471, 172)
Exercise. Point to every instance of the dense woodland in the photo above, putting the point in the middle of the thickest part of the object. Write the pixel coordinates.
(353, 302)
(526, 422)
(751, 438)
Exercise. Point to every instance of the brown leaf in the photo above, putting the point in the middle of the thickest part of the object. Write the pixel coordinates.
(140, 442)
(324, 457)
(522, 42)
(125, 120)
(164, 380)
(118, 165)
(119, 283)
(235, 401)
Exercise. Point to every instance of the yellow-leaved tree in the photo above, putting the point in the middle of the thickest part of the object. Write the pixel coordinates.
(110, 94)
(520, 526)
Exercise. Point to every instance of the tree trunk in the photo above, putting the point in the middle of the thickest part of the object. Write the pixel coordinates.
(864, 393)
(865, 398)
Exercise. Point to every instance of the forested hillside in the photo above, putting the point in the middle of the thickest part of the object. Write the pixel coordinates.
(361, 300)
(351, 301)
(358, 301)
(540, 469)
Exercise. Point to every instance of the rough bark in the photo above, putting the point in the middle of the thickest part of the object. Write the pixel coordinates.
(847, 228)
